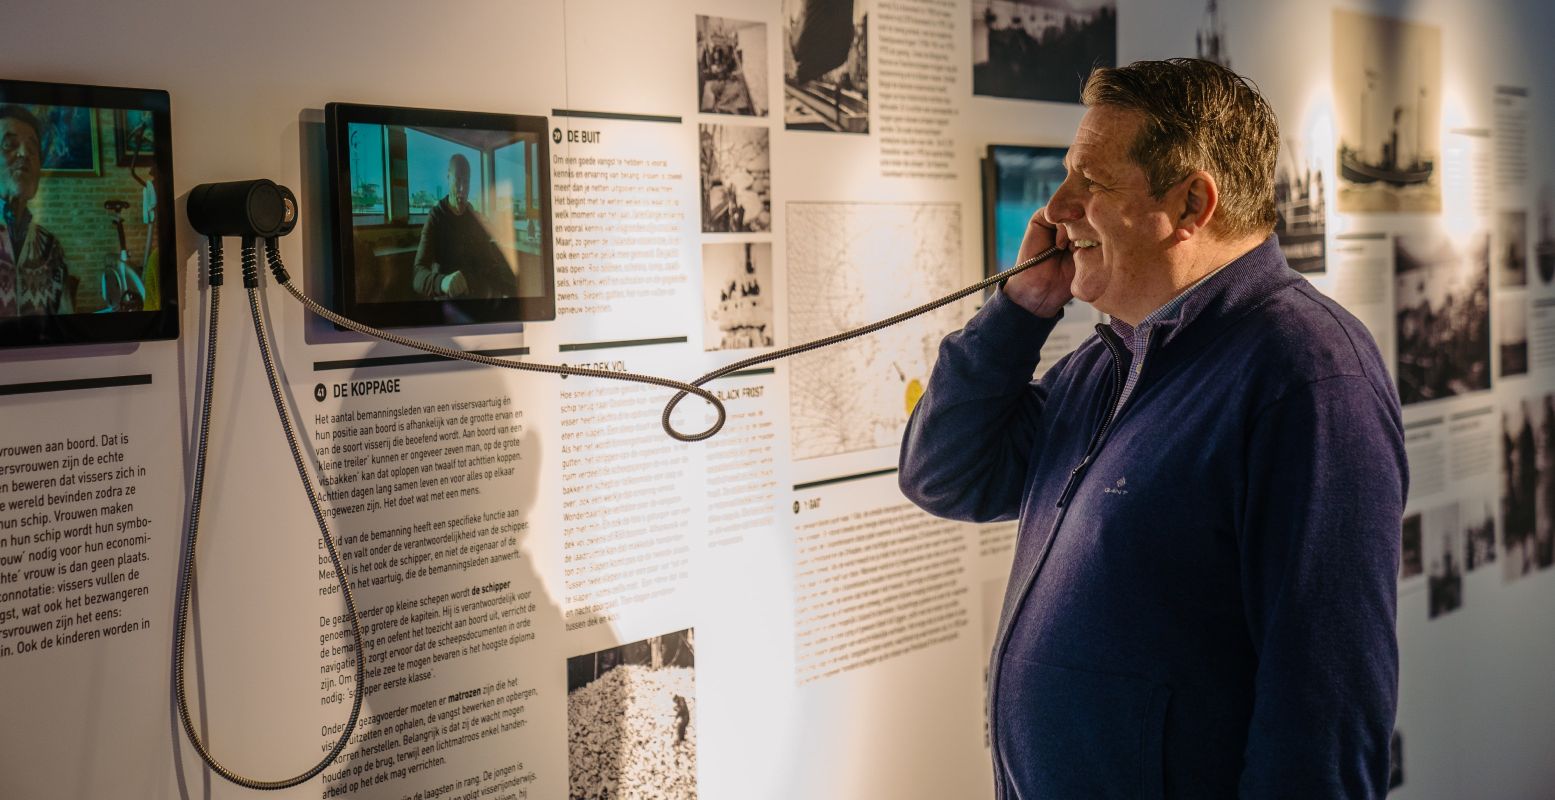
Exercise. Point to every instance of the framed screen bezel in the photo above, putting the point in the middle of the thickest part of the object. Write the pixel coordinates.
(117, 326)
(337, 119)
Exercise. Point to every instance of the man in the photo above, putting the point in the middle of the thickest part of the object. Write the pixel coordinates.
(456, 257)
(34, 278)
(1210, 491)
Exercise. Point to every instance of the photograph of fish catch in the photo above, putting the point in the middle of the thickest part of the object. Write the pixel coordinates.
(731, 67)
(737, 295)
(1442, 304)
(1041, 49)
(1387, 109)
(631, 721)
(736, 178)
(826, 65)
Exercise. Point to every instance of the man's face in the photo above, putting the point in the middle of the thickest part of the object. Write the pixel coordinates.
(458, 188)
(21, 154)
(1118, 231)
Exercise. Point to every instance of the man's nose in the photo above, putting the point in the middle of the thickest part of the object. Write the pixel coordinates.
(1065, 205)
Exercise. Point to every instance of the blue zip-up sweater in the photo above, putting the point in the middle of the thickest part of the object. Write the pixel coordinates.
(1202, 601)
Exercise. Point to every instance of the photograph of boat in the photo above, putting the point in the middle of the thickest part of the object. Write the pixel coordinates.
(1441, 299)
(1509, 258)
(1299, 203)
(1544, 247)
(826, 66)
(1210, 40)
(1041, 49)
(1387, 81)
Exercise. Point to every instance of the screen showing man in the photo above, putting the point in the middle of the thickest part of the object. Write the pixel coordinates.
(456, 256)
(33, 273)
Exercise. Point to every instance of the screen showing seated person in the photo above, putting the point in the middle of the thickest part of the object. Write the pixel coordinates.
(445, 216)
(84, 177)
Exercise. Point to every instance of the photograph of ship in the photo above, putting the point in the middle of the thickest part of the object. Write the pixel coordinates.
(1041, 49)
(1544, 247)
(737, 295)
(826, 65)
(1444, 563)
(1387, 108)
(1479, 536)
(1528, 486)
(731, 67)
(1510, 256)
(1442, 300)
(1512, 334)
(1210, 41)
(1299, 205)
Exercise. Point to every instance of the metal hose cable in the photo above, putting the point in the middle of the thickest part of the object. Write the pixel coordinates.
(273, 255)
(839, 338)
(250, 270)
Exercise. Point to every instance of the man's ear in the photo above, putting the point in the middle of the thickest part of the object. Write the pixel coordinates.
(1199, 199)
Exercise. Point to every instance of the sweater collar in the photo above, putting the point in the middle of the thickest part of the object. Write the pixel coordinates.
(1227, 294)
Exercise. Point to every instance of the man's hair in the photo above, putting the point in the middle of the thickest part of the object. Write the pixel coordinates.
(27, 118)
(1199, 115)
(457, 162)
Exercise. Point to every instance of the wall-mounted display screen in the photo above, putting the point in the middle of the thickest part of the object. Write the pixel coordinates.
(441, 217)
(86, 227)
(1017, 180)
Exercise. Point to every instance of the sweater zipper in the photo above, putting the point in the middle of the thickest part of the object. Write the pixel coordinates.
(1112, 409)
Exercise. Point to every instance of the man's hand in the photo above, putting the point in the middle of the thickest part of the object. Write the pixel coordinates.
(455, 285)
(1043, 289)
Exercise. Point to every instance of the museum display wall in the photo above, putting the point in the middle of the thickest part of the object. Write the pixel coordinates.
(555, 598)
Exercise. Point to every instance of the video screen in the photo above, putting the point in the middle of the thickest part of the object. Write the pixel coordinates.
(1017, 180)
(85, 215)
(442, 217)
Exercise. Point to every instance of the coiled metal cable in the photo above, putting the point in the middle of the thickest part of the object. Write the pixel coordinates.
(250, 280)
(273, 256)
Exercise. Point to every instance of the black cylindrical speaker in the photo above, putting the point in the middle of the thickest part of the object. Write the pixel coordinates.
(257, 208)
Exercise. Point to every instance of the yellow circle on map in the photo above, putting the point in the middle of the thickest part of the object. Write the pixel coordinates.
(914, 393)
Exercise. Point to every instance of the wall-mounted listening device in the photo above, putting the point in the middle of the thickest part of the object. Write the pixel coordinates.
(440, 217)
(74, 267)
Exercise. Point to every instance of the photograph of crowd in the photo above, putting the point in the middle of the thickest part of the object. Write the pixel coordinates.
(631, 721)
(1041, 49)
(731, 67)
(826, 65)
(737, 295)
(1528, 487)
(736, 179)
(1442, 304)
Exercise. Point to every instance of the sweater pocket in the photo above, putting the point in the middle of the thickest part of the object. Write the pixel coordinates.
(1068, 733)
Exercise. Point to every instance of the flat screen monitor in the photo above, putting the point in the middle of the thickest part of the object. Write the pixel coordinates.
(440, 217)
(86, 221)
(1017, 180)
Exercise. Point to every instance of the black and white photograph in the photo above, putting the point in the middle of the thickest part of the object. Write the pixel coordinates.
(1544, 246)
(1387, 109)
(1528, 485)
(1479, 534)
(1440, 542)
(631, 721)
(1300, 222)
(826, 65)
(1209, 43)
(737, 295)
(1041, 49)
(1512, 335)
(1410, 563)
(1442, 305)
(736, 179)
(1509, 256)
(731, 67)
